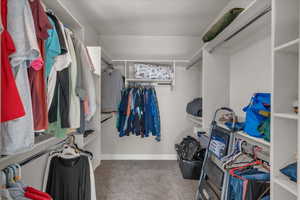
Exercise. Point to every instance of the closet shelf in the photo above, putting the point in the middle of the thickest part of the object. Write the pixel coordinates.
(197, 120)
(286, 184)
(148, 80)
(63, 13)
(259, 141)
(289, 47)
(287, 115)
(256, 8)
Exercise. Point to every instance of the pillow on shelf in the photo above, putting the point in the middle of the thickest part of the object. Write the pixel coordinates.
(221, 24)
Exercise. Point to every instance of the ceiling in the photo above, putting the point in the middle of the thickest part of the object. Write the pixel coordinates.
(151, 17)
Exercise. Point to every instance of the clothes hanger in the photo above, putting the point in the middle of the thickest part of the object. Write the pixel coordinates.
(72, 150)
(255, 163)
(232, 162)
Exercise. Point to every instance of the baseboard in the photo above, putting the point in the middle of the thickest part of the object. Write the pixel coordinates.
(138, 157)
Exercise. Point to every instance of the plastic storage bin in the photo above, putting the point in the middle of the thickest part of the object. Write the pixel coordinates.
(190, 169)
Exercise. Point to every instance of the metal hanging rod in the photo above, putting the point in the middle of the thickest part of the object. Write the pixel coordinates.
(197, 54)
(263, 13)
(193, 63)
(109, 65)
(262, 155)
(153, 61)
(108, 118)
(34, 154)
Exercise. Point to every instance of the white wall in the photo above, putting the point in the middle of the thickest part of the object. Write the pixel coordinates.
(250, 72)
(150, 47)
(91, 36)
(174, 124)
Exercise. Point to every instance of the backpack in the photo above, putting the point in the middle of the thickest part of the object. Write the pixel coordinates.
(260, 103)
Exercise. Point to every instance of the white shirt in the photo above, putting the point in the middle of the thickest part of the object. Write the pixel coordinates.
(74, 114)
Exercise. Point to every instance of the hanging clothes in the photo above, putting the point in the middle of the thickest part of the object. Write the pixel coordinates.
(11, 103)
(18, 135)
(249, 184)
(36, 74)
(70, 178)
(74, 114)
(111, 87)
(85, 86)
(138, 113)
(59, 93)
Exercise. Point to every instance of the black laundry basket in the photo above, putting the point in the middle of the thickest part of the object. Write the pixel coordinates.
(190, 169)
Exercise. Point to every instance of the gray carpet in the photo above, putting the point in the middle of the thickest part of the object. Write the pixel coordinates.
(142, 180)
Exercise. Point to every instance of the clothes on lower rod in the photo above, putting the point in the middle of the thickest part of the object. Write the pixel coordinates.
(254, 186)
(138, 113)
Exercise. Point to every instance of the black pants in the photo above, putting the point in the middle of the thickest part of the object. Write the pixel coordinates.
(61, 99)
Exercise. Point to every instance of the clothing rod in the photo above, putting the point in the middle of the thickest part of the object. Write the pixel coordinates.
(104, 120)
(262, 155)
(193, 63)
(154, 61)
(107, 63)
(19, 158)
(40, 154)
(267, 10)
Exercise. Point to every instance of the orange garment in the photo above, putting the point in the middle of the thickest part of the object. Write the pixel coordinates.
(86, 106)
(36, 76)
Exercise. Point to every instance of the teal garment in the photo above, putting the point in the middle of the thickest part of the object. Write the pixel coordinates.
(52, 47)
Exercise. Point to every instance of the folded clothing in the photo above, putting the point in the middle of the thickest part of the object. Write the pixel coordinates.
(290, 171)
(221, 24)
(195, 107)
(150, 71)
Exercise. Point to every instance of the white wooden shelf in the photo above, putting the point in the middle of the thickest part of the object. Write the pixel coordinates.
(290, 47)
(148, 80)
(287, 115)
(258, 141)
(285, 90)
(63, 13)
(252, 11)
(286, 184)
(197, 120)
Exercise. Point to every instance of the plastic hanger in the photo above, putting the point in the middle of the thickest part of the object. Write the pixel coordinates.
(68, 152)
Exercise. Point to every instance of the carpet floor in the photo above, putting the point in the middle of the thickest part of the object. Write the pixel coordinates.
(142, 180)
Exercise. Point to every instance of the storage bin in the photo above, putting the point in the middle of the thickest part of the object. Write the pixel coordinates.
(190, 169)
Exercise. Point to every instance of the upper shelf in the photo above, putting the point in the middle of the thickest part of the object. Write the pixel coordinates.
(256, 9)
(63, 13)
(195, 119)
(290, 47)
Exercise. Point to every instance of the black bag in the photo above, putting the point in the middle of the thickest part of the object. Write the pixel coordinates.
(195, 107)
(188, 149)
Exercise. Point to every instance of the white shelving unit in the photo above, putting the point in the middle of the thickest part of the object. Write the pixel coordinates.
(258, 141)
(253, 10)
(195, 119)
(285, 71)
(217, 54)
(129, 71)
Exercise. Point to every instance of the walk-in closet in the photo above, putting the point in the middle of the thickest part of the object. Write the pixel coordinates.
(149, 100)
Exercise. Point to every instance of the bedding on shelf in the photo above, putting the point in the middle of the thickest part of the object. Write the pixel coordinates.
(222, 23)
(195, 107)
